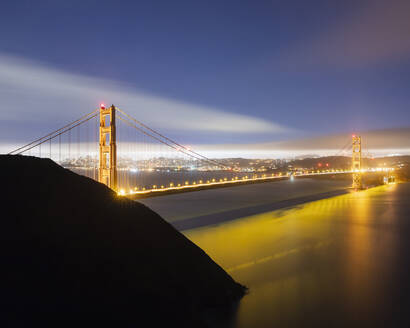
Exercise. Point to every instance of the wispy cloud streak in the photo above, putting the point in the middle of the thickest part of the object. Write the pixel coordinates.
(374, 142)
(32, 92)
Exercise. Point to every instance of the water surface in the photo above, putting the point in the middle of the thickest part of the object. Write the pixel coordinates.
(218, 202)
(337, 262)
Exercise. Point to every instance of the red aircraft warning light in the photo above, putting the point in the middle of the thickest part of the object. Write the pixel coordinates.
(102, 106)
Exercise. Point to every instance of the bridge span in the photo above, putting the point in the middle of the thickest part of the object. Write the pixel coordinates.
(224, 183)
(112, 147)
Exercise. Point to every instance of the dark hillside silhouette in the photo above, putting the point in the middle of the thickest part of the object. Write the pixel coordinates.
(74, 253)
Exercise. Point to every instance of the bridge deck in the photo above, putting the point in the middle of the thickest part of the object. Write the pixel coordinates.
(226, 184)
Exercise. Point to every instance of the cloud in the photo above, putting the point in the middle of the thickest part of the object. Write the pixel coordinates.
(374, 142)
(31, 92)
(374, 139)
(376, 33)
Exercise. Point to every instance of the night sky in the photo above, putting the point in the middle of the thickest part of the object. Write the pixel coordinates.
(207, 72)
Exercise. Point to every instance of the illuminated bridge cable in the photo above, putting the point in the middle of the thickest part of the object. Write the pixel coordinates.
(52, 136)
(174, 142)
(156, 138)
(170, 140)
(344, 148)
(347, 145)
(365, 151)
(164, 142)
(178, 149)
(17, 151)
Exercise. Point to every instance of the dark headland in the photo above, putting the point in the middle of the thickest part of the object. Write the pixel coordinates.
(73, 253)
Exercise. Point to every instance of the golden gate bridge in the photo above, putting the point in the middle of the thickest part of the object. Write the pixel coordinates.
(114, 148)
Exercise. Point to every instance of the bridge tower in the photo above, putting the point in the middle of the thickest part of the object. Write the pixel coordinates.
(107, 173)
(357, 161)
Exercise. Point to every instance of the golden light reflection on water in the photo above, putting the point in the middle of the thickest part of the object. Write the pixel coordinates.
(370, 250)
(328, 253)
(231, 244)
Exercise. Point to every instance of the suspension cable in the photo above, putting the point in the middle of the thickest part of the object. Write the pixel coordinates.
(345, 147)
(154, 137)
(50, 134)
(164, 142)
(170, 140)
(53, 136)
